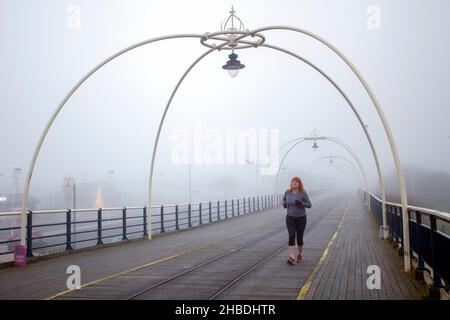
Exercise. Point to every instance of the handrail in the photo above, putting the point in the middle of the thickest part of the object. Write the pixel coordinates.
(100, 225)
(438, 213)
(429, 240)
(94, 210)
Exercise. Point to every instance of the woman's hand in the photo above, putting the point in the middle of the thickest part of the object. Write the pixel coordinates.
(298, 203)
(284, 205)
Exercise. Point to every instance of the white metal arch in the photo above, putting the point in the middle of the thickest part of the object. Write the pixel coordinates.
(387, 129)
(336, 86)
(360, 174)
(237, 36)
(332, 139)
(67, 97)
(361, 122)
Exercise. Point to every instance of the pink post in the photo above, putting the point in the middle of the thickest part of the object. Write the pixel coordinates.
(20, 255)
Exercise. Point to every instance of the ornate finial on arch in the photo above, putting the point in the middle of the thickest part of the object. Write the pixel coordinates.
(232, 23)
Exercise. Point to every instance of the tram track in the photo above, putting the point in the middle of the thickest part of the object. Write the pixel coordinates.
(313, 225)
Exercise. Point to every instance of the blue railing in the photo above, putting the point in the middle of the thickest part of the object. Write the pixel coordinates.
(50, 231)
(429, 237)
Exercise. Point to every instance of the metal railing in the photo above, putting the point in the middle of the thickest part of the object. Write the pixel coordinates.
(429, 233)
(50, 231)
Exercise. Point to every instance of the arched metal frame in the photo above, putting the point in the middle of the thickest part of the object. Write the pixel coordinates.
(235, 38)
(353, 108)
(387, 129)
(332, 139)
(359, 173)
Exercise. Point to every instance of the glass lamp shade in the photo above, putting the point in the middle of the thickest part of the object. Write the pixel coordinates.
(233, 72)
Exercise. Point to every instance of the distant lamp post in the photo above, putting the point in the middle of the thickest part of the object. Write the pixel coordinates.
(315, 134)
(233, 65)
(71, 182)
(16, 174)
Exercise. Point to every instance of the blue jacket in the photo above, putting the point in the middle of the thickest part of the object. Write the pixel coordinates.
(292, 209)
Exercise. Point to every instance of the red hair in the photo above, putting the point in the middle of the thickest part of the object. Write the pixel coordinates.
(300, 184)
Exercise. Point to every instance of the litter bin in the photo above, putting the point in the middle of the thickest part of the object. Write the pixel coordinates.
(20, 255)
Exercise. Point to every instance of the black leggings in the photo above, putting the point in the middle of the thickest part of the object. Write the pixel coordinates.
(295, 225)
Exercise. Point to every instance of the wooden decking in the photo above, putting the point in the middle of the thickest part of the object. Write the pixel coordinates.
(343, 273)
(341, 240)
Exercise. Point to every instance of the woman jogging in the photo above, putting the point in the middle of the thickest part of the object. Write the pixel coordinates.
(295, 200)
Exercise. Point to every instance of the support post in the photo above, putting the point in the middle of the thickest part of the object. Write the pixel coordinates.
(29, 237)
(124, 224)
(68, 229)
(99, 226)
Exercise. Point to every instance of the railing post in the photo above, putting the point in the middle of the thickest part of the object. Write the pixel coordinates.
(189, 216)
(144, 219)
(390, 222)
(254, 208)
(259, 209)
(421, 267)
(394, 224)
(226, 209)
(232, 208)
(395, 218)
(177, 226)
(245, 211)
(399, 226)
(218, 209)
(401, 252)
(68, 229)
(435, 288)
(238, 207)
(30, 234)
(124, 224)
(200, 221)
(99, 227)
(210, 212)
(162, 219)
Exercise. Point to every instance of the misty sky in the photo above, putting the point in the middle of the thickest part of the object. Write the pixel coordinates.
(111, 122)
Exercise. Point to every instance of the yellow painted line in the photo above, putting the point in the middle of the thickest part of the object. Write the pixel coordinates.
(304, 290)
(150, 264)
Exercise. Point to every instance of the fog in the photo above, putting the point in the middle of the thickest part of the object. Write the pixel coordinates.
(104, 136)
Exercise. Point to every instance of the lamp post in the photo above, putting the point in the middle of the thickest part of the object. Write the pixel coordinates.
(16, 175)
(71, 182)
(189, 173)
(234, 38)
